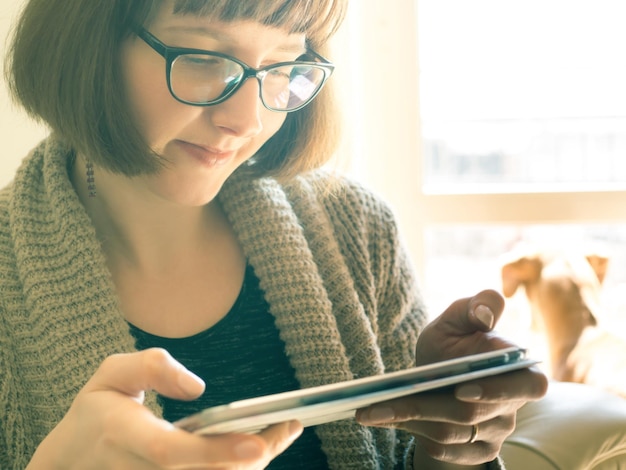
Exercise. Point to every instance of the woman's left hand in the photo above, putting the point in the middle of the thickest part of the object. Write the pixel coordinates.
(468, 424)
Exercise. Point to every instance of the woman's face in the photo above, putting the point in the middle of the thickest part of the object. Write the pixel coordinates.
(202, 145)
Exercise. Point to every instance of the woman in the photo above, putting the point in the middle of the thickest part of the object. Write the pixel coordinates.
(172, 223)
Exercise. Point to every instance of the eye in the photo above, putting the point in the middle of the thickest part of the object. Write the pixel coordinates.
(199, 60)
(279, 73)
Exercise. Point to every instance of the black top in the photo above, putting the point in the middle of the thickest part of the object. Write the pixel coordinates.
(242, 356)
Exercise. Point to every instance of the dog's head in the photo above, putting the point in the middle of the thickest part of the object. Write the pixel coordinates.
(556, 284)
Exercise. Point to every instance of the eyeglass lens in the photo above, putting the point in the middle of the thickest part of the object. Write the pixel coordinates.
(203, 78)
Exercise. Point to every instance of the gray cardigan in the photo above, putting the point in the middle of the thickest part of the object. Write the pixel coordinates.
(328, 258)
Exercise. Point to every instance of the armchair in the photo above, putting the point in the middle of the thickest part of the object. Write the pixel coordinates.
(575, 427)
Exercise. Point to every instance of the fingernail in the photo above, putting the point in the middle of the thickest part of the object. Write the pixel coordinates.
(484, 315)
(379, 414)
(248, 449)
(295, 429)
(470, 392)
(190, 383)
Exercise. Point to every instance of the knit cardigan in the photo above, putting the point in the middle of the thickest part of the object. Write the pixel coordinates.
(329, 261)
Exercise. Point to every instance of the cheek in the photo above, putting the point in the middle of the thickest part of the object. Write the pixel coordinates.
(154, 109)
(272, 124)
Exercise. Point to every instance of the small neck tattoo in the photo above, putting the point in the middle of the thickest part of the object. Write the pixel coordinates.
(91, 181)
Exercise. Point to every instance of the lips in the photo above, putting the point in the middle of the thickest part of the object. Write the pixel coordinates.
(208, 156)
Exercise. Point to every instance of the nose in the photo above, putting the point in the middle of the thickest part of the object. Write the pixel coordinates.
(240, 114)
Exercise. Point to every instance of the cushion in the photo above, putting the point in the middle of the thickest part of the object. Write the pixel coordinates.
(574, 427)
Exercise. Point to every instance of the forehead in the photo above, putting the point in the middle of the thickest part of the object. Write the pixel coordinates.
(233, 37)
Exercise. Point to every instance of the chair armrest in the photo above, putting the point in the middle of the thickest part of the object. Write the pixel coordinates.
(574, 426)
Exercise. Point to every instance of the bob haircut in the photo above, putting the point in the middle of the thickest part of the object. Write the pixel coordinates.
(64, 68)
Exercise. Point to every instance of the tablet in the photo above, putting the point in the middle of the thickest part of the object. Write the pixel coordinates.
(326, 403)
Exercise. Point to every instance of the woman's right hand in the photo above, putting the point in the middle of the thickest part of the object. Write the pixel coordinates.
(107, 426)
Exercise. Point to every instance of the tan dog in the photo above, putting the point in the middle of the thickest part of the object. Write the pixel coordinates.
(563, 292)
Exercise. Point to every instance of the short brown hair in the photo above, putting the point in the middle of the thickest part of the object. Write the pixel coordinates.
(64, 68)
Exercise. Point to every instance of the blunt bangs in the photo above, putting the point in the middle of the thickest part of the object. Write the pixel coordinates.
(316, 19)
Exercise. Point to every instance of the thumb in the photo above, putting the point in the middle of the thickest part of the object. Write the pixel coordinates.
(153, 369)
(478, 313)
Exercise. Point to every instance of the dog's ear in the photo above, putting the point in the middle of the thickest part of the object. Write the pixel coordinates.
(523, 270)
(599, 265)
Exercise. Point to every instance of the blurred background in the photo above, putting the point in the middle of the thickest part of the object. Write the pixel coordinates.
(494, 123)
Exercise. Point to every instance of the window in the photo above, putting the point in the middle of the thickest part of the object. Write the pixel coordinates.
(512, 126)
(523, 119)
(525, 94)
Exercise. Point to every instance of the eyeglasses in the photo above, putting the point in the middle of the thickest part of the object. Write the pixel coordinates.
(205, 78)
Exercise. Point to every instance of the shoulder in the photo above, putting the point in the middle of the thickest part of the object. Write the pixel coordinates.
(5, 196)
(5, 235)
(25, 203)
(343, 198)
(25, 185)
(359, 221)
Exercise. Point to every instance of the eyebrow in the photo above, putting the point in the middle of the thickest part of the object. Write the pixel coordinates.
(222, 37)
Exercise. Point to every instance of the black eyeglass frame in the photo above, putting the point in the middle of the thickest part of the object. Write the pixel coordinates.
(170, 54)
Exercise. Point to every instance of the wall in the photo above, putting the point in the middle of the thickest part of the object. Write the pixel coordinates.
(378, 73)
(18, 133)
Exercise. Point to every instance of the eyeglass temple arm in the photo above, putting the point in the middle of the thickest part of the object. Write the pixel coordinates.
(153, 42)
(322, 59)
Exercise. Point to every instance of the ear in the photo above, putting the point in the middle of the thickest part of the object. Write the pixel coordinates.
(599, 265)
(521, 271)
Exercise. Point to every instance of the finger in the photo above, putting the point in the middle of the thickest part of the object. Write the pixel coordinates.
(460, 454)
(485, 309)
(280, 436)
(442, 407)
(463, 444)
(152, 369)
(164, 446)
(525, 385)
(478, 313)
(494, 430)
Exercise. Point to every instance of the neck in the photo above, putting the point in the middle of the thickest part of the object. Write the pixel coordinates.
(140, 230)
